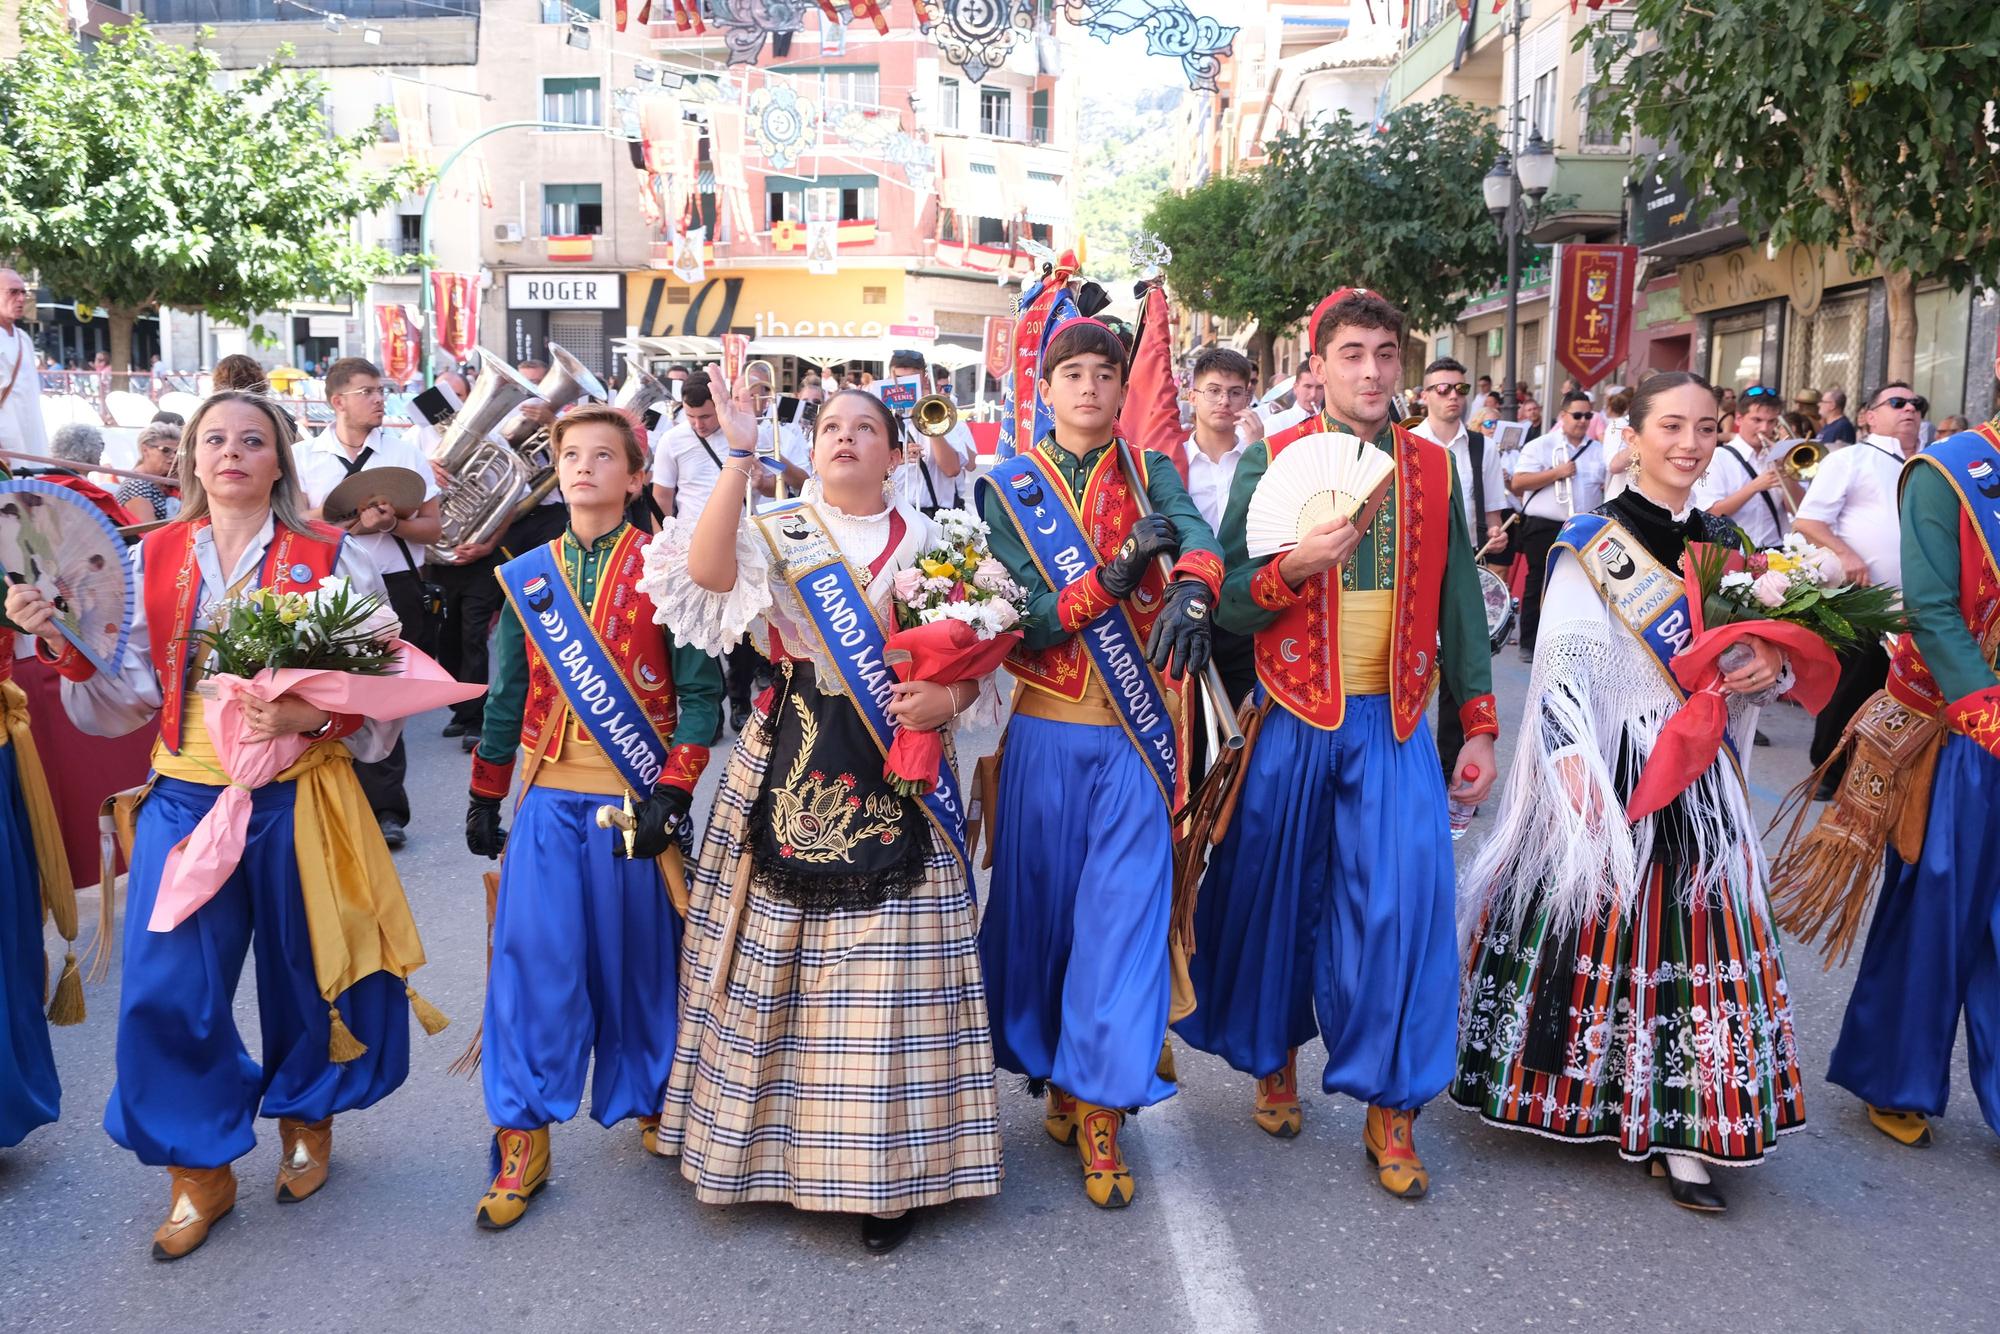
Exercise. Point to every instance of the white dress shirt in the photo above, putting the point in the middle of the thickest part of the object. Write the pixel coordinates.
(1209, 480)
(1761, 517)
(1854, 494)
(951, 491)
(1461, 459)
(322, 462)
(21, 415)
(1586, 489)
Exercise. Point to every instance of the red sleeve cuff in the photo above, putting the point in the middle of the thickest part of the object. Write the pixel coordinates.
(1977, 716)
(1480, 717)
(490, 779)
(1269, 589)
(684, 766)
(1082, 602)
(1203, 565)
(69, 664)
(342, 724)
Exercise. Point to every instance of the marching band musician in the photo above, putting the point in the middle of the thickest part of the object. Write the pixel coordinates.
(1331, 896)
(187, 1091)
(585, 939)
(1559, 475)
(1741, 478)
(1075, 938)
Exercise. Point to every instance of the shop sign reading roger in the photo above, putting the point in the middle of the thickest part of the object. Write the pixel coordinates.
(563, 291)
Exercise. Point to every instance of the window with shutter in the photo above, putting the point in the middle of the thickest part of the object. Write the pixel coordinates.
(1591, 133)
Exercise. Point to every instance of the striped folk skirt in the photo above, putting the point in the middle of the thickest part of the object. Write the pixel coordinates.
(1664, 1028)
(829, 1060)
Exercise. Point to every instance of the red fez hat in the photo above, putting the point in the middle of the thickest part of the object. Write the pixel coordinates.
(1329, 303)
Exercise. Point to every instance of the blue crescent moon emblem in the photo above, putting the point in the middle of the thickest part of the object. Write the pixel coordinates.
(301, 573)
(1289, 650)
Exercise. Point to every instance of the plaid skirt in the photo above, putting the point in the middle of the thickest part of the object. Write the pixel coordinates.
(829, 1060)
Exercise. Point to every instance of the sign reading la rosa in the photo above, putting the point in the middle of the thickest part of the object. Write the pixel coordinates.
(770, 303)
(562, 291)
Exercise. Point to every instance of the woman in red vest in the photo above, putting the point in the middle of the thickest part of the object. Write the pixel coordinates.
(187, 1091)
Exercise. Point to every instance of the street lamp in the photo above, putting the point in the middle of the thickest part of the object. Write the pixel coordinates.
(1514, 189)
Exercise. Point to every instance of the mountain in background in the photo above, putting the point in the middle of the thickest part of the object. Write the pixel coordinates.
(1126, 142)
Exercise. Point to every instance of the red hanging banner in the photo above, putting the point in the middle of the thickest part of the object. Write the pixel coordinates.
(999, 345)
(1594, 308)
(455, 302)
(401, 342)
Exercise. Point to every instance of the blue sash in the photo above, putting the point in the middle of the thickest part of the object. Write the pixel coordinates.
(558, 625)
(1042, 512)
(1646, 596)
(806, 558)
(1970, 463)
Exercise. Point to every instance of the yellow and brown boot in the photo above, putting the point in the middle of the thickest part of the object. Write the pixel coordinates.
(1910, 1129)
(1060, 1117)
(306, 1148)
(1106, 1178)
(1392, 1147)
(524, 1169)
(1166, 1069)
(649, 1137)
(1278, 1112)
(200, 1196)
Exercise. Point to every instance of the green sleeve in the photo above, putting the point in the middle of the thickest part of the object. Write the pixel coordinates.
(1930, 523)
(1465, 655)
(698, 692)
(1040, 626)
(506, 690)
(1169, 496)
(1236, 611)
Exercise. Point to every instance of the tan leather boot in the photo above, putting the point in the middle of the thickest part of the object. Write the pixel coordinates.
(524, 1169)
(1278, 1112)
(1392, 1146)
(1106, 1179)
(1060, 1118)
(306, 1149)
(200, 1196)
(1910, 1129)
(1166, 1069)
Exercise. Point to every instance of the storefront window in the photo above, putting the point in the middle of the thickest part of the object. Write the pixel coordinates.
(1943, 318)
(1824, 352)
(1736, 355)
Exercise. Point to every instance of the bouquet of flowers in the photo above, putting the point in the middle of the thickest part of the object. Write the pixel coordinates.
(1795, 596)
(955, 609)
(332, 648)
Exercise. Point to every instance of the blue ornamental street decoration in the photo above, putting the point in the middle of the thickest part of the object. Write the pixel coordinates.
(783, 123)
(1172, 29)
(977, 35)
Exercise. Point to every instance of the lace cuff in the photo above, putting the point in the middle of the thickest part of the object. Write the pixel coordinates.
(711, 622)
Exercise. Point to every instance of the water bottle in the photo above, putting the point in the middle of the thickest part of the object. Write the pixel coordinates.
(1460, 813)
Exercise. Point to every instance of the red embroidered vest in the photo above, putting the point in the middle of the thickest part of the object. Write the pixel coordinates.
(1107, 511)
(294, 563)
(622, 618)
(1910, 681)
(1298, 655)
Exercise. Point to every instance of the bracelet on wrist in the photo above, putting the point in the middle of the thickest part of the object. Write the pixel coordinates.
(736, 453)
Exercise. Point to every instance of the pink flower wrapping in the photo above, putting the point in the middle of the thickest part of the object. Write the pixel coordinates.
(198, 865)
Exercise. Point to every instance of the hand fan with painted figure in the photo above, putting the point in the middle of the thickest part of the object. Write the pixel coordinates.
(57, 540)
(1314, 480)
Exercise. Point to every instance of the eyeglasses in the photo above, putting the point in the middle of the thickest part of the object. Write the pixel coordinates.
(1215, 393)
(1460, 388)
(13, 291)
(373, 391)
(1896, 403)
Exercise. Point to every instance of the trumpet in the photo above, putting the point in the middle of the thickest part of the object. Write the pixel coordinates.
(1565, 495)
(934, 415)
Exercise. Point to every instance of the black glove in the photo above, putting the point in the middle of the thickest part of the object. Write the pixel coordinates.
(1184, 634)
(661, 817)
(483, 835)
(1149, 537)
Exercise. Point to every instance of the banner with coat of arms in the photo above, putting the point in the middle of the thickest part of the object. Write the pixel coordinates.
(1593, 312)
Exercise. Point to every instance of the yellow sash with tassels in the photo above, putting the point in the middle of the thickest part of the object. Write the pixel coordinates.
(356, 913)
(52, 860)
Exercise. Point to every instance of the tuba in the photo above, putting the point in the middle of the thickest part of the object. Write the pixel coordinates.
(641, 390)
(487, 476)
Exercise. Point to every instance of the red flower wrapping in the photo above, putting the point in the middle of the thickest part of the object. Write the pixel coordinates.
(943, 653)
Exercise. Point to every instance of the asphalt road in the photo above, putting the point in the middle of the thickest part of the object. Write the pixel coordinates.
(1231, 1230)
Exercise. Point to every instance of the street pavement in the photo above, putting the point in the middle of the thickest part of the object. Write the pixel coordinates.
(1231, 1231)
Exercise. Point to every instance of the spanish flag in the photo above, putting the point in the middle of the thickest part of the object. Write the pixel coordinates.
(570, 249)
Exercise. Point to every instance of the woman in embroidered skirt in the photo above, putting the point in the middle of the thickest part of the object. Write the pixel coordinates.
(1623, 980)
(833, 1050)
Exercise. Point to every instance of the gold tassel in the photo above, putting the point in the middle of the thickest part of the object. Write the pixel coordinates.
(430, 1016)
(468, 1060)
(67, 1007)
(341, 1045)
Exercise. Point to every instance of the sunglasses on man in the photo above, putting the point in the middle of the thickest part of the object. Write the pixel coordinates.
(1578, 416)
(1459, 387)
(1896, 403)
(1759, 394)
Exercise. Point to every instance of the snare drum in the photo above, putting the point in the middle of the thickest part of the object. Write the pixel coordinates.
(1499, 603)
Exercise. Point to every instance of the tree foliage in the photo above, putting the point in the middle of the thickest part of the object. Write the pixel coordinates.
(1396, 208)
(1122, 168)
(1868, 126)
(134, 176)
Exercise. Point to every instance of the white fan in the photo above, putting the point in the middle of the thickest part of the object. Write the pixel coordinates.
(1314, 480)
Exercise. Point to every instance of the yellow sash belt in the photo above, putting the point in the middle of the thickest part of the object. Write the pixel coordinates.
(58, 887)
(1365, 619)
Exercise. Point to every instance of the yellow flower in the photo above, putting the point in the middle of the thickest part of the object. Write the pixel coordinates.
(1779, 561)
(938, 569)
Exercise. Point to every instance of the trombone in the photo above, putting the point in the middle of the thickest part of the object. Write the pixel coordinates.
(1799, 462)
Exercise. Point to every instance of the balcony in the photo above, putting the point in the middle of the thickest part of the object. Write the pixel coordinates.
(280, 11)
(362, 33)
(1589, 196)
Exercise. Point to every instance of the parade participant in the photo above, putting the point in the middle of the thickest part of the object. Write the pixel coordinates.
(1740, 479)
(1934, 946)
(935, 469)
(832, 1052)
(34, 880)
(187, 1091)
(1221, 379)
(1328, 904)
(1308, 391)
(1558, 475)
(1074, 942)
(1624, 981)
(584, 936)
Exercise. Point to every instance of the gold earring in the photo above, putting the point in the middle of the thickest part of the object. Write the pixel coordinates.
(1632, 467)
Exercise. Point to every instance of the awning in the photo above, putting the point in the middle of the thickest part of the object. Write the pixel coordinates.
(967, 186)
(1047, 202)
(824, 350)
(685, 348)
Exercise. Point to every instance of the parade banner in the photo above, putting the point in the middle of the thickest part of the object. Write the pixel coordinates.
(455, 300)
(401, 342)
(735, 356)
(999, 345)
(1593, 308)
(686, 248)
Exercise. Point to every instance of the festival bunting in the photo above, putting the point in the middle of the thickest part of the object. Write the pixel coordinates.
(401, 342)
(455, 302)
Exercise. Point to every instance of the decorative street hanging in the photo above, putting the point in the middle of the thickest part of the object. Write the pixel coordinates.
(783, 123)
(977, 35)
(747, 25)
(1172, 29)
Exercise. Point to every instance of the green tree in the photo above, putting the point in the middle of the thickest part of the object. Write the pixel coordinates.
(1861, 125)
(135, 176)
(1214, 267)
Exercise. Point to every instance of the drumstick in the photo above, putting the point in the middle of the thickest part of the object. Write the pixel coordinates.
(1481, 553)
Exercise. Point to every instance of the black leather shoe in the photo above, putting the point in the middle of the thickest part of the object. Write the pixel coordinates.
(454, 728)
(882, 1235)
(1826, 790)
(393, 835)
(468, 743)
(739, 716)
(1699, 1196)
